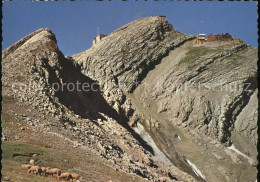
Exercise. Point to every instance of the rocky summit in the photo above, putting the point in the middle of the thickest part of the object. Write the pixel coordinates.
(144, 103)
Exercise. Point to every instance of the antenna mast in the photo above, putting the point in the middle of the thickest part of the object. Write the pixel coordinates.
(97, 30)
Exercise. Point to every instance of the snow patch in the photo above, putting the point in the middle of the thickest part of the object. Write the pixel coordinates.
(179, 137)
(196, 170)
(139, 129)
(232, 147)
(166, 153)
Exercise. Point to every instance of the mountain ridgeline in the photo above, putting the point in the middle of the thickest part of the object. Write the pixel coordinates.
(162, 108)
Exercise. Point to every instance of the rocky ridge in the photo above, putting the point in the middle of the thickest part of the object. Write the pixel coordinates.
(130, 52)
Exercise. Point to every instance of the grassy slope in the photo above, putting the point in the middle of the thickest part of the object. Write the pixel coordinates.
(51, 152)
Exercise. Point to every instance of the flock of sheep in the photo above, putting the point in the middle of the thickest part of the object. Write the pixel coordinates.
(49, 171)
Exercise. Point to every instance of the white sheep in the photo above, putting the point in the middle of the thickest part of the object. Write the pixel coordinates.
(32, 162)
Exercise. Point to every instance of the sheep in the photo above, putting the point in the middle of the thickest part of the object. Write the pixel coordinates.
(48, 170)
(32, 162)
(54, 171)
(75, 176)
(66, 176)
(36, 169)
(26, 166)
(45, 170)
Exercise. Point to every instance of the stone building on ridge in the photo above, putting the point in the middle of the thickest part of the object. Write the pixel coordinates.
(98, 38)
(219, 37)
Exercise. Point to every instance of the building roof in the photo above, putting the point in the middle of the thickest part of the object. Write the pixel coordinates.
(201, 36)
(219, 34)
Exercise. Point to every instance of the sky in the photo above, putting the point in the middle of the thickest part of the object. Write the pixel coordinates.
(75, 23)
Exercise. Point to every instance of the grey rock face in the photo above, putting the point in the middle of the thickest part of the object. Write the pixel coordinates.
(207, 90)
(206, 93)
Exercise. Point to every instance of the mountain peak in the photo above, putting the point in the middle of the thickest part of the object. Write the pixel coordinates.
(132, 50)
(37, 35)
(155, 20)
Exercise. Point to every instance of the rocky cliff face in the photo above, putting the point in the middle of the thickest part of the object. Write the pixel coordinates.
(38, 86)
(206, 91)
(198, 103)
(170, 82)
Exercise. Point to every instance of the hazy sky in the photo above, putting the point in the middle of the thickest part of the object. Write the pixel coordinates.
(75, 23)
